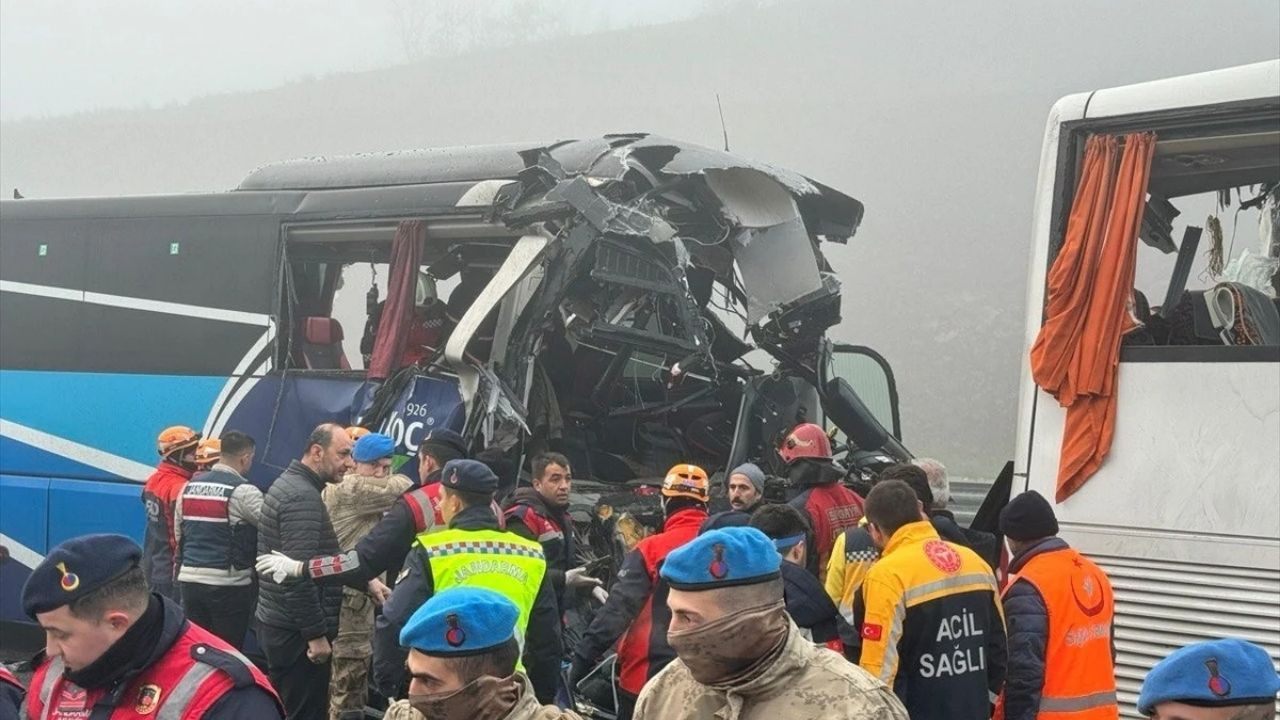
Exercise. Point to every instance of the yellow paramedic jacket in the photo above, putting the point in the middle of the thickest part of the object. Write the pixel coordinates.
(852, 556)
(932, 627)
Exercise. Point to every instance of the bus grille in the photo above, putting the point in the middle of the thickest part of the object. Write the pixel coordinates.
(1162, 606)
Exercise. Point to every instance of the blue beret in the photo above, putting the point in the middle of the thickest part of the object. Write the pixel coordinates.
(461, 620)
(722, 558)
(76, 568)
(468, 476)
(373, 446)
(444, 438)
(1217, 673)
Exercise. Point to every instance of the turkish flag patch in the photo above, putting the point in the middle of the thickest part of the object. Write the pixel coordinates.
(871, 631)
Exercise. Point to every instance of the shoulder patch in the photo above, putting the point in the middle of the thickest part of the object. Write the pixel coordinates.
(232, 663)
(942, 556)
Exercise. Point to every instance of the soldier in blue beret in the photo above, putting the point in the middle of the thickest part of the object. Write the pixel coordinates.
(116, 649)
(356, 505)
(738, 652)
(475, 551)
(463, 650)
(1227, 679)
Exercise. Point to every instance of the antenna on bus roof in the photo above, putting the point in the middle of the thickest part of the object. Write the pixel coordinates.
(723, 129)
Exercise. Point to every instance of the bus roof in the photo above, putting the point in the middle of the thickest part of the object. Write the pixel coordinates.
(1258, 81)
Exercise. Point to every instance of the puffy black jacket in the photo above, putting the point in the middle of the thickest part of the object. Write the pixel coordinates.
(986, 544)
(295, 522)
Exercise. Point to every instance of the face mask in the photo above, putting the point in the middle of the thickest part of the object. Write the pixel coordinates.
(725, 649)
(485, 698)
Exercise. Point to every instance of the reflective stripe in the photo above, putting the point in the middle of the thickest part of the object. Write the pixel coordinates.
(984, 579)
(1078, 703)
(420, 506)
(51, 677)
(889, 663)
(175, 706)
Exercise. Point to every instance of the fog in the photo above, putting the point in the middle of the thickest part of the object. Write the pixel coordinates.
(930, 113)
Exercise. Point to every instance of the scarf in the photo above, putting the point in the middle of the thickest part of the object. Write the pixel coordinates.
(485, 698)
(728, 650)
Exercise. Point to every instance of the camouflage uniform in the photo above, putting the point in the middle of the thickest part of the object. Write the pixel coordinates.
(804, 682)
(527, 708)
(355, 505)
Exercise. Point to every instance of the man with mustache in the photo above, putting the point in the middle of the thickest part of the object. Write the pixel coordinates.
(462, 662)
(739, 655)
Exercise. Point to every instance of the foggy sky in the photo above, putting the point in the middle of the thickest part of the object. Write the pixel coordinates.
(932, 114)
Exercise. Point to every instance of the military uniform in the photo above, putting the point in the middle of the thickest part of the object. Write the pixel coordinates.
(355, 505)
(723, 671)
(469, 621)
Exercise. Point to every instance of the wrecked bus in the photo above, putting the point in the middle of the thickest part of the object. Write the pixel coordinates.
(1184, 512)
(629, 300)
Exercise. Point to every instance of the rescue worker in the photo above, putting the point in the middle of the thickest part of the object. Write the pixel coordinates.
(355, 505)
(854, 551)
(1060, 613)
(11, 694)
(387, 544)
(177, 448)
(636, 615)
(828, 506)
(297, 622)
(208, 452)
(541, 513)
(473, 551)
(216, 520)
(933, 628)
(745, 488)
(740, 656)
(463, 651)
(1227, 679)
(807, 602)
(115, 650)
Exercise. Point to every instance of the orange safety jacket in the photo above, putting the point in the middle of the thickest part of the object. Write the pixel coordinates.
(1079, 668)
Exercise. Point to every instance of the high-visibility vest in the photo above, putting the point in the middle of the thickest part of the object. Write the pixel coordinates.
(1079, 673)
(494, 559)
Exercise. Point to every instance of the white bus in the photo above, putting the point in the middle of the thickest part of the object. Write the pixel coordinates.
(1185, 511)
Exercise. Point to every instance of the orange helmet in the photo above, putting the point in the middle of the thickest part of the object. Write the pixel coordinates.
(209, 451)
(805, 440)
(355, 432)
(176, 439)
(686, 481)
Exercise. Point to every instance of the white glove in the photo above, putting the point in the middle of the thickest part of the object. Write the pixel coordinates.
(600, 594)
(578, 577)
(279, 567)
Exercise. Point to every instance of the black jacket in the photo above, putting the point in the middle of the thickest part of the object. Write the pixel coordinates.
(295, 522)
(1027, 618)
(807, 603)
(986, 544)
(530, 516)
(542, 636)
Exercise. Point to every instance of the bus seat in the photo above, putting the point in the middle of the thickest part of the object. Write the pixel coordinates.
(322, 344)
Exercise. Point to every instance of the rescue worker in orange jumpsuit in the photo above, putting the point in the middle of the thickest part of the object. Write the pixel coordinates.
(116, 651)
(1060, 613)
(177, 448)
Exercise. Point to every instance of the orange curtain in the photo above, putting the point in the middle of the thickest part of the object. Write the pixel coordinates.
(1090, 286)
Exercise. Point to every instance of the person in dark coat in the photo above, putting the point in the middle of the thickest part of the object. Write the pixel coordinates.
(297, 621)
(11, 694)
(541, 513)
(807, 603)
(387, 544)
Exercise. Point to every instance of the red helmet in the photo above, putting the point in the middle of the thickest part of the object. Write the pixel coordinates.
(176, 439)
(805, 441)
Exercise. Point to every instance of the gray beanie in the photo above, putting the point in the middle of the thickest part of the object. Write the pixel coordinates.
(751, 472)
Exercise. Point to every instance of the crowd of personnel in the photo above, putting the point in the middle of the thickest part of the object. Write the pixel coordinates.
(449, 597)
